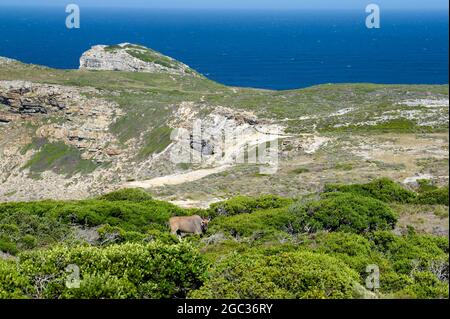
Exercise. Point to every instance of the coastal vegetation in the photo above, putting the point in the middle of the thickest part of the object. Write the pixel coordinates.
(316, 246)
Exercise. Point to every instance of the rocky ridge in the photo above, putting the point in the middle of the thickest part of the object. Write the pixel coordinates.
(131, 58)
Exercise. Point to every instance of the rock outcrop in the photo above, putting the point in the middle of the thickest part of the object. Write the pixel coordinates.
(131, 58)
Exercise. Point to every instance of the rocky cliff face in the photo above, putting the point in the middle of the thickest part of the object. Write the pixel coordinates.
(131, 58)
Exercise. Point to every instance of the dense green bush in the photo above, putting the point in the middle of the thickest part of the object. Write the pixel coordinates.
(355, 250)
(113, 235)
(261, 222)
(382, 189)
(285, 275)
(127, 215)
(419, 265)
(433, 197)
(128, 194)
(412, 252)
(12, 284)
(346, 212)
(403, 261)
(20, 231)
(246, 205)
(132, 216)
(154, 270)
(7, 246)
(425, 286)
(102, 286)
(425, 185)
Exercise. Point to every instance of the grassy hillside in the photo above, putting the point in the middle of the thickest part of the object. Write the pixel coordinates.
(343, 114)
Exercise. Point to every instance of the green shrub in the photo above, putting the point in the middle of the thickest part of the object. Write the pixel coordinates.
(110, 235)
(394, 282)
(162, 236)
(344, 243)
(382, 189)
(262, 222)
(9, 230)
(102, 286)
(27, 231)
(8, 246)
(127, 215)
(402, 260)
(130, 194)
(130, 270)
(29, 241)
(425, 286)
(286, 275)
(247, 205)
(411, 252)
(433, 197)
(130, 216)
(425, 185)
(346, 212)
(355, 250)
(12, 284)
(419, 285)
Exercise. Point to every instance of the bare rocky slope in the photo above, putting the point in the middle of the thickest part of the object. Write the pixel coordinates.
(116, 122)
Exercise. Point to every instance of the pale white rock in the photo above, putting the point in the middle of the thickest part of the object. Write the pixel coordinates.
(429, 103)
(123, 58)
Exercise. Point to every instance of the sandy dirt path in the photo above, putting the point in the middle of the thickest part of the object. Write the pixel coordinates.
(177, 179)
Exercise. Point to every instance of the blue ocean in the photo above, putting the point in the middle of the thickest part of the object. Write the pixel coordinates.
(262, 49)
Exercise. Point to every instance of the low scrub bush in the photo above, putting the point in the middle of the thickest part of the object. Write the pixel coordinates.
(347, 212)
(425, 185)
(20, 231)
(129, 215)
(247, 205)
(433, 197)
(7, 246)
(130, 194)
(355, 250)
(412, 252)
(263, 222)
(113, 235)
(13, 285)
(130, 270)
